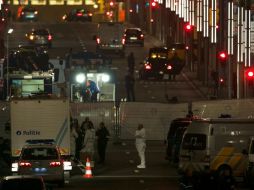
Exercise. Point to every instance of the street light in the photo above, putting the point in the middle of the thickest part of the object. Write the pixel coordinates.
(10, 30)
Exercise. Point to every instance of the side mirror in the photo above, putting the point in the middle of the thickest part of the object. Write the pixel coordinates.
(94, 37)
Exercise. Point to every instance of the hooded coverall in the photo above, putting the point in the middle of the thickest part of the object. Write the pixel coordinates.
(141, 145)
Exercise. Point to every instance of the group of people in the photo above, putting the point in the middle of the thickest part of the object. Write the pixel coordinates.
(83, 140)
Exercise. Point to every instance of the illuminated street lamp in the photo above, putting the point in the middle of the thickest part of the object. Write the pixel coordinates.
(10, 30)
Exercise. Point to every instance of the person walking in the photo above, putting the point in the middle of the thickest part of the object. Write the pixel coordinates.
(140, 136)
(102, 140)
(131, 62)
(89, 143)
(129, 85)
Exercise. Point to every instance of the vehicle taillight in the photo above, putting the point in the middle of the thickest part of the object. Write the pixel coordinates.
(49, 37)
(98, 40)
(141, 36)
(169, 67)
(123, 41)
(31, 37)
(25, 164)
(79, 14)
(55, 164)
(148, 67)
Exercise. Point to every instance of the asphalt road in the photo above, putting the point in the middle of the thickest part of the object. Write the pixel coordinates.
(79, 37)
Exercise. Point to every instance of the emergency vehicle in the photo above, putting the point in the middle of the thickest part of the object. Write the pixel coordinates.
(218, 144)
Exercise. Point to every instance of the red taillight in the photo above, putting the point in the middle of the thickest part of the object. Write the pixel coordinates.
(141, 36)
(55, 164)
(98, 40)
(169, 67)
(148, 67)
(123, 41)
(49, 37)
(79, 14)
(25, 164)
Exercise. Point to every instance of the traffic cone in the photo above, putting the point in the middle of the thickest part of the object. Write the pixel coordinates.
(88, 173)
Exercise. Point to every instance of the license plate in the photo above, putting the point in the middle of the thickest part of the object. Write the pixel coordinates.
(133, 38)
(166, 76)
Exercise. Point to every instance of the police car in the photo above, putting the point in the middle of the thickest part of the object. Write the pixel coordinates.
(43, 158)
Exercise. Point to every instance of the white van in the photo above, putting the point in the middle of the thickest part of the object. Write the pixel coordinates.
(110, 38)
(217, 144)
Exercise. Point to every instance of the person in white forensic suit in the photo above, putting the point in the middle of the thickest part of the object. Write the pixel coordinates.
(141, 144)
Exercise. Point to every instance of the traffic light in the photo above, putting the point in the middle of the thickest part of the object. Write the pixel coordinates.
(111, 3)
(154, 4)
(249, 73)
(223, 55)
(188, 27)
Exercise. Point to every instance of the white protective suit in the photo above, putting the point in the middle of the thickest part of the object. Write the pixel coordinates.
(141, 145)
(89, 142)
(74, 135)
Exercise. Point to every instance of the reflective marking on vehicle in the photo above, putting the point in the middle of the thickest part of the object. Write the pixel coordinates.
(222, 157)
(235, 160)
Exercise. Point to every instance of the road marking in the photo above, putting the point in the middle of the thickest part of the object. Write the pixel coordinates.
(137, 176)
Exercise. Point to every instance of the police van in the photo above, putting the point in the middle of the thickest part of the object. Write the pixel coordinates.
(218, 144)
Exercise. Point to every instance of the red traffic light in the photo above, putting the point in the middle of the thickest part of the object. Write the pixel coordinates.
(111, 3)
(221, 80)
(188, 27)
(154, 4)
(223, 55)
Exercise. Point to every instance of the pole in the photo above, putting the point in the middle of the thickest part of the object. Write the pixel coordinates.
(7, 69)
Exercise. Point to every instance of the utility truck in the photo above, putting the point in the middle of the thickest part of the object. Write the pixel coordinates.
(38, 118)
(218, 145)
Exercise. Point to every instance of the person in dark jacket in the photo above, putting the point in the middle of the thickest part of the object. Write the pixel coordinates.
(131, 62)
(92, 86)
(102, 140)
(129, 85)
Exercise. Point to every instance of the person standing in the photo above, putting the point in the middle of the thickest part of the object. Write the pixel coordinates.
(74, 136)
(129, 85)
(140, 136)
(102, 140)
(89, 143)
(131, 62)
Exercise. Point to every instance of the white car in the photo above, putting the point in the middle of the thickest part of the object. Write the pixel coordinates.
(42, 159)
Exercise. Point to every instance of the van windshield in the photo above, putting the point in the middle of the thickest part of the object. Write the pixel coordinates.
(194, 141)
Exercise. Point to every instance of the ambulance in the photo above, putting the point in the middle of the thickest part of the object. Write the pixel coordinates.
(217, 144)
